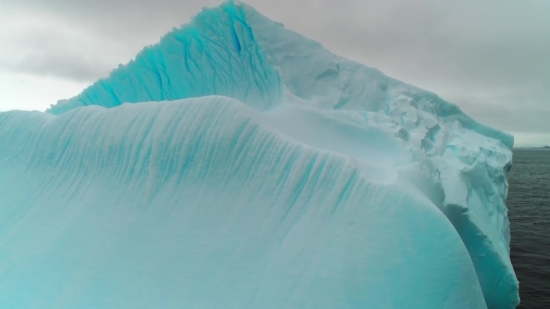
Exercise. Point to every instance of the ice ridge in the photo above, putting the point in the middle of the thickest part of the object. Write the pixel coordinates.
(198, 203)
(259, 170)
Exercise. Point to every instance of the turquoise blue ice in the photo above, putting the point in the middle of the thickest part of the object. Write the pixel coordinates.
(258, 170)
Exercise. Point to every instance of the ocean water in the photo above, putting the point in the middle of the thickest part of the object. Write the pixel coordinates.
(529, 214)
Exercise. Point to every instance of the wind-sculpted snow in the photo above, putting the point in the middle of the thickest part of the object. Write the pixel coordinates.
(198, 204)
(306, 181)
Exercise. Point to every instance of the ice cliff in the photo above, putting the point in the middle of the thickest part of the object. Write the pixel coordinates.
(258, 171)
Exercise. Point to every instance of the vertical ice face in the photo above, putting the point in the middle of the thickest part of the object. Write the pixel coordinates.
(306, 181)
(215, 54)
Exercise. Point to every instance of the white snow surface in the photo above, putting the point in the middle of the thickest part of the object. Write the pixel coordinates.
(258, 171)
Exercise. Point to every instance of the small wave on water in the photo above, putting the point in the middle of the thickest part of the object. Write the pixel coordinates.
(529, 214)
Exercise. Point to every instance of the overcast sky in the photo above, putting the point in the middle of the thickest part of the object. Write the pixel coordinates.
(491, 57)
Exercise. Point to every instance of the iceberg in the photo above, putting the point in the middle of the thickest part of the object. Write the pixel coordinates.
(237, 164)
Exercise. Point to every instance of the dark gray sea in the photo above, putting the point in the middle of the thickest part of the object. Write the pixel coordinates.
(529, 214)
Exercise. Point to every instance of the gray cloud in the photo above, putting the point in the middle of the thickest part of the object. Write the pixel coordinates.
(490, 57)
(60, 64)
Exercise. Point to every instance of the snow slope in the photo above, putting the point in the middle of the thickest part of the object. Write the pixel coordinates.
(273, 174)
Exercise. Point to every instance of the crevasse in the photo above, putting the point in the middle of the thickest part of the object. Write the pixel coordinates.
(258, 171)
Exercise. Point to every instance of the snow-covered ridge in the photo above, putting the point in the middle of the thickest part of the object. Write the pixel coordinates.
(289, 178)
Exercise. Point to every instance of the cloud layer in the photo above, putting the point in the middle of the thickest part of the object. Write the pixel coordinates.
(489, 57)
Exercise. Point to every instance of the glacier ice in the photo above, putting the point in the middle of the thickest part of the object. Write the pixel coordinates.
(258, 171)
